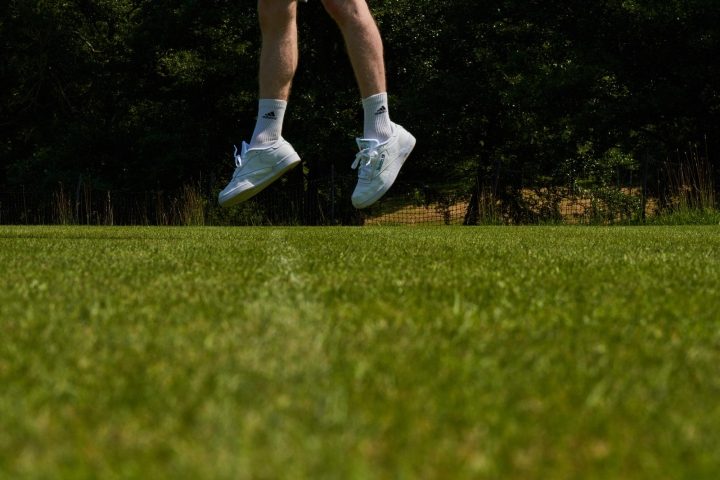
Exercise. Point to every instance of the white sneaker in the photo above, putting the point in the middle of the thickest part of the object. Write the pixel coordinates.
(379, 164)
(256, 169)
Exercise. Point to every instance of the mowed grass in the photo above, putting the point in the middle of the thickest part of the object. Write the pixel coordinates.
(360, 353)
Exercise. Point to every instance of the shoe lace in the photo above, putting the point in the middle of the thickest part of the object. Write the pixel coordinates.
(237, 157)
(238, 161)
(365, 160)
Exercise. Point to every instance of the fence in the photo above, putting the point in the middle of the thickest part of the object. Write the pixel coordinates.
(297, 200)
(321, 203)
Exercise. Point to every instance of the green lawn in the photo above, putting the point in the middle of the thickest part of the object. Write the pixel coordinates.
(360, 353)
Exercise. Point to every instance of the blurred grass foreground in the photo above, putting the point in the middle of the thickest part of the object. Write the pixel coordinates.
(482, 352)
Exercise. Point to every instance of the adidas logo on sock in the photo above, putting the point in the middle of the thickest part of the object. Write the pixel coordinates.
(270, 116)
(381, 110)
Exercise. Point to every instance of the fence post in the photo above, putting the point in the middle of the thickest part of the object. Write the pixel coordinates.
(643, 201)
(25, 213)
(472, 215)
(332, 194)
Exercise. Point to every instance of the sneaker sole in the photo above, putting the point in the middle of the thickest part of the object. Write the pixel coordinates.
(241, 195)
(382, 192)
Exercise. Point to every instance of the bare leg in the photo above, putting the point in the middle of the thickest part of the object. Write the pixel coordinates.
(268, 156)
(279, 54)
(385, 145)
(363, 42)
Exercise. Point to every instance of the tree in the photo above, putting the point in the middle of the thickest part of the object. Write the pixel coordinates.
(137, 95)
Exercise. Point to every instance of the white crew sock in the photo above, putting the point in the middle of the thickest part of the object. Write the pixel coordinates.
(269, 123)
(377, 118)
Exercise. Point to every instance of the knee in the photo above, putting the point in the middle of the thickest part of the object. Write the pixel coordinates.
(275, 14)
(343, 11)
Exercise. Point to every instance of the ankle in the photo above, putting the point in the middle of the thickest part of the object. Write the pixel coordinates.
(377, 124)
(268, 129)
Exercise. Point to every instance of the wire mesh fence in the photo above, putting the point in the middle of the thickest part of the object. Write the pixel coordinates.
(323, 202)
(299, 200)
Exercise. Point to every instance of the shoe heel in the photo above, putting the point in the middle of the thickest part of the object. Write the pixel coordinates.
(287, 163)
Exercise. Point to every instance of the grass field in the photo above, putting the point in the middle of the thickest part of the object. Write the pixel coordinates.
(353, 353)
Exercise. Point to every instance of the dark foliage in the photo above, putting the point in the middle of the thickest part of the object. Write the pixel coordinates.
(138, 95)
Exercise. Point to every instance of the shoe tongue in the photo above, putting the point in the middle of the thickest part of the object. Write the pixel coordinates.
(244, 150)
(365, 143)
